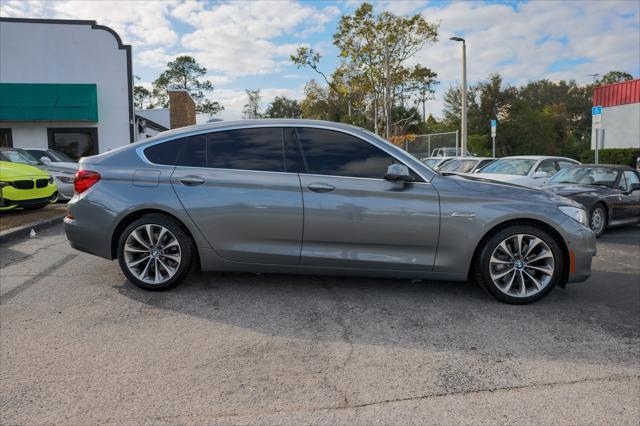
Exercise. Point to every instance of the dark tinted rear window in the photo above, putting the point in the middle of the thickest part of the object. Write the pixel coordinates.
(164, 153)
(246, 149)
(328, 152)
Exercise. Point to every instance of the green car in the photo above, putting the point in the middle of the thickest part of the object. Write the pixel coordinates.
(25, 186)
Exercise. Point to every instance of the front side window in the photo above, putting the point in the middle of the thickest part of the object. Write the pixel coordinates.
(328, 152)
(631, 178)
(510, 166)
(76, 143)
(548, 166)
(257, 149)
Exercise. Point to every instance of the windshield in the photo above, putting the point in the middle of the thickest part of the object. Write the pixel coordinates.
(586, 176)
(432, 162)
(510, 166)
(460, 166)
(60, 156)
(16, 156)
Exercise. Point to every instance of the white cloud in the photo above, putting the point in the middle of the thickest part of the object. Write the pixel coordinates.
(528, 42)
(143, 23)
(240, 38)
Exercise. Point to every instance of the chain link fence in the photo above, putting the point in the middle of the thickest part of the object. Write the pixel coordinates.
(425, 145)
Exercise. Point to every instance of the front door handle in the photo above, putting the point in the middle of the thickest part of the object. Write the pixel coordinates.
(320, 187)
(192, 180)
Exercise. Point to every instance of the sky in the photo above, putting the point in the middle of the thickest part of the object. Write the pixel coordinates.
(246, 45)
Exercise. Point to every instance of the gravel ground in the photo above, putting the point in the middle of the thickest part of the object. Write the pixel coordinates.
(80, 345)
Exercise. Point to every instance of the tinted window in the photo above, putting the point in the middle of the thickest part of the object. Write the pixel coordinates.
(246, 149)
(334, 153)
(292, 154)
(164, 153)
(193, 152)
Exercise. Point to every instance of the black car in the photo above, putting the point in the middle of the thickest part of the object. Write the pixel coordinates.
(610, 194)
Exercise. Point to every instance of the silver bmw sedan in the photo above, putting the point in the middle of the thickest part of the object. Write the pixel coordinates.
(314, 197)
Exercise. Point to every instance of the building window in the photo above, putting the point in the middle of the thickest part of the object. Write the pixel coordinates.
(76, 143)
(6, 141)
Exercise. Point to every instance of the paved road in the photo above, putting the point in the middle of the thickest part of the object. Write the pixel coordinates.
(78, 344)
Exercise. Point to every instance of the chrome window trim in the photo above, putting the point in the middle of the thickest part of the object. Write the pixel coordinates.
(414, 165)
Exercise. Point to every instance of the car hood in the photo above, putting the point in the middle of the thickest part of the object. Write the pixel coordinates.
(567, 189)
(10, 170)
(507, 190)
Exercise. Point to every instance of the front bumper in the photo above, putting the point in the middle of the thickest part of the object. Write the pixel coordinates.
(11, 197)
(581, 243)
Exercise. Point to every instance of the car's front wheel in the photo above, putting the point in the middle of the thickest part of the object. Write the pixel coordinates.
(155, 252)
(598, 219)
(520, 264)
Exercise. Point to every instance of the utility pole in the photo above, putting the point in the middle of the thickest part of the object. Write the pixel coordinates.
(464, 94)
(387, 90)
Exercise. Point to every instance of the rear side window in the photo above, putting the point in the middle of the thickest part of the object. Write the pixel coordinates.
(333, 153)
(246, 149)
(190, 151)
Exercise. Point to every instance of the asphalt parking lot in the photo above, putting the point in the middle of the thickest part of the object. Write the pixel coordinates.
(80, 345)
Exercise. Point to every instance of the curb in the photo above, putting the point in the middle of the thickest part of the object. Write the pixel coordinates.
(23, 231)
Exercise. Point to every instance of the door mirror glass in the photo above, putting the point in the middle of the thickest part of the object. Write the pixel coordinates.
(398, 173)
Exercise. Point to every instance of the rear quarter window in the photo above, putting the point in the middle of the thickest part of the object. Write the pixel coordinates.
(188, 151)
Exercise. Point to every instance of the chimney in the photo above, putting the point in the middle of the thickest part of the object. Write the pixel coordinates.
(182, 109)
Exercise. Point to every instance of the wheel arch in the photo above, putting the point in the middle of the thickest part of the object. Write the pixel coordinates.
(135, 215)
(525, 221)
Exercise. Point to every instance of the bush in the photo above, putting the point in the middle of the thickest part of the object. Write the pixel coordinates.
(622, 156)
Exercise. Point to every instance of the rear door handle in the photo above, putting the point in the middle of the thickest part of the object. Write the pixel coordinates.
(192, 180)
(320, 187)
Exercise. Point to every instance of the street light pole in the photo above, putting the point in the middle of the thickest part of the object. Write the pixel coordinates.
(464, 95)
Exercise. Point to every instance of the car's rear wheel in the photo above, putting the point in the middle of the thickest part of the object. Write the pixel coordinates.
(598, 219)
(155, 252)
(520, 264)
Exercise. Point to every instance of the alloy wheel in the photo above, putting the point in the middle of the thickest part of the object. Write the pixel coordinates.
(152, 253)
(522, 265)
(597, 220)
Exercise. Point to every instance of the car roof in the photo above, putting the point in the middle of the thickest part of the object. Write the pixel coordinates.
(537, 157)
(288, 122)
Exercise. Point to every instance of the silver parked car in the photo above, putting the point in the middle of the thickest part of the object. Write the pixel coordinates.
(299, 196)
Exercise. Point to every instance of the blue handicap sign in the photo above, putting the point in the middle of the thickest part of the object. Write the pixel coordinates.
(596, 110)
(493, 123)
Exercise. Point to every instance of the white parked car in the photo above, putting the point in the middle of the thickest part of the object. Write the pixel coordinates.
(436, 162)
(526, 170)
(465, 164)
(59, 165)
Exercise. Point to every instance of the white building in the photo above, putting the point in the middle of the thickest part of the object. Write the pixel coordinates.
(620, 120)
(66, 85)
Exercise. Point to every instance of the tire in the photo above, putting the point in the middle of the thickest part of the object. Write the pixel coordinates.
(169, 254)
(598, 213)
(504, 271)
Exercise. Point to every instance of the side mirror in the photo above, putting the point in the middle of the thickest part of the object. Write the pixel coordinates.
(398, 173)
(634, 187)
(45, 160)
(540, 174)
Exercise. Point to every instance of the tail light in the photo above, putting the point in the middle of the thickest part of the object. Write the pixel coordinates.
(84, 180)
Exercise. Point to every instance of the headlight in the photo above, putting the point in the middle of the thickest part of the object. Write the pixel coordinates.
(576, 213)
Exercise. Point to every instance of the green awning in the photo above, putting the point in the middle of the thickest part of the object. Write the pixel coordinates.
(48, 102)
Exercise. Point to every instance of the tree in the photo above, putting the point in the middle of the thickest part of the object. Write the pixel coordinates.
(251, 109)
(315, 104)
(378, 47)
(185, 73)
(283, 107)
(142, 98)
(373, 71)
(614, 77)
